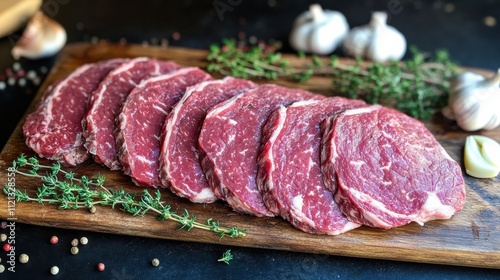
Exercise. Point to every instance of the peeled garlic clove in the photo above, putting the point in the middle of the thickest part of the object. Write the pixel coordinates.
(490, 150)
(42, 37)
(481, 157)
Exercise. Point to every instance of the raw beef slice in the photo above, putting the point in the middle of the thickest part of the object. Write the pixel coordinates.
(388, 169)
(180, 160)
(230, 140)
(290, 177)
(54, 130)
(106, 103)
(141, 120)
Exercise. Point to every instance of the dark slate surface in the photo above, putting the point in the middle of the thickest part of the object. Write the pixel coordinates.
(430, 25)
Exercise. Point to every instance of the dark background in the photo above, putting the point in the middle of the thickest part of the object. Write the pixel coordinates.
(457, 26)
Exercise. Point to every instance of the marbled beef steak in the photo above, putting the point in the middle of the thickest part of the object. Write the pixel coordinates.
(54, 130)
(388, 170)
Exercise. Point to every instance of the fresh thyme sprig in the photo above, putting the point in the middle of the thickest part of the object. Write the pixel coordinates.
(65, 190)
(418, 86)
(226, 257)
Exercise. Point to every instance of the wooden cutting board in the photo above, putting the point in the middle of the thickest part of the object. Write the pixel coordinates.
(470, 238)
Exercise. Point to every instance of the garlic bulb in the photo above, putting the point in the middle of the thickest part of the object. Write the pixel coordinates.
(42, 37)
(481, 157)
(474, 101)
(318, 31)
(376, 41)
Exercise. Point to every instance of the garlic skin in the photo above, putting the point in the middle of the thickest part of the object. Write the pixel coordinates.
(474, 101)
(376, 41)
(42, 37)
(318, 31)
(481, 157)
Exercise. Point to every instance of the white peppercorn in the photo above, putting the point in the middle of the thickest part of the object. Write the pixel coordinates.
(24, 258)
(54, 270)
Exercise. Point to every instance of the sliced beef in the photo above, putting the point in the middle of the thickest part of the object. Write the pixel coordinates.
(388, 169)
(290, 177)
(179, 158)
(54, 130)
(106, 103)
(141, 120)
(230, 140)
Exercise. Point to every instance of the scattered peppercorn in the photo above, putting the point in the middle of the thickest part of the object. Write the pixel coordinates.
(6, 247)
(54, 270)
(155, 262)
(74, 250)
(101, 266)
(92, 209)
(2, 268)
(74, 242)
(3, 237)
(176, 36)
(23, 258)
(16, 66)
(54, 239)
(21, 82)
(3, 225)
(84, 240)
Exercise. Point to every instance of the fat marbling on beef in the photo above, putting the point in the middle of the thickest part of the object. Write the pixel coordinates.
(289, 175)
(141, 120)
(388, 170)
(230, 141)
(54, 130)
(106, 103)
(179, 159)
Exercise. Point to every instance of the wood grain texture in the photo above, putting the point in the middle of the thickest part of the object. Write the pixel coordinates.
(470, 238)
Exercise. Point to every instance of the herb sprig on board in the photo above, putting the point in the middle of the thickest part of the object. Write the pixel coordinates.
(418, 86)
(68, 191)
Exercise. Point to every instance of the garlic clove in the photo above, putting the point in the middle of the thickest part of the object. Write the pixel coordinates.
(490, 150)
(480, 159)
(42, 37)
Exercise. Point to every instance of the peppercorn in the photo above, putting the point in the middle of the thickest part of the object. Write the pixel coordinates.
(74, 242)
(6, 247)
(2, 268)
(3, 225)
(155, 262)
(92, 209)
(84, 240)
(54, 239)
(54, 270)
(23, 258)
(74, 250)
(3, 237)
(101, 266)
